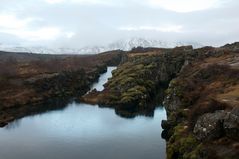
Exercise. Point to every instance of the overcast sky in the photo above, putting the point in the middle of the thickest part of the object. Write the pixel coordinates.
(78, 23)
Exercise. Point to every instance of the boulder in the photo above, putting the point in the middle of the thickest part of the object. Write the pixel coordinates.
(210, 126)
(167, 124)
(231, 123)
(214, 125)
(2, 124)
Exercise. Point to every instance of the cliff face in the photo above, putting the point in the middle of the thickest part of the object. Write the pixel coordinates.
(143, 71)
(202, 106)
(139, 78)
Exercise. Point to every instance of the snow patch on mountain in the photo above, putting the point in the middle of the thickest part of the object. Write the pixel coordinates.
(124, 45)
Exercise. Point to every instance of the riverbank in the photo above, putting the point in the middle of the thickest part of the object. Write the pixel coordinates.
(29, 81)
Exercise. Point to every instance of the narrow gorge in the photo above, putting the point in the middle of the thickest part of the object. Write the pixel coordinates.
(201, 97)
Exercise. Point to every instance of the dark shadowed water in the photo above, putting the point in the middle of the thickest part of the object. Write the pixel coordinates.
(83, 131)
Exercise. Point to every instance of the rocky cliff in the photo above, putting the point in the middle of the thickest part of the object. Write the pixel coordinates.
(139, 78)
(202, 105)
(201, 99)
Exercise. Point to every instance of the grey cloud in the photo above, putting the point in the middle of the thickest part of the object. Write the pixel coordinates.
(99, 24)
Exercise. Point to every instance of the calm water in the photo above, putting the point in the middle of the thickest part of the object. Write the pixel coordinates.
(86, 132)
(103, 79)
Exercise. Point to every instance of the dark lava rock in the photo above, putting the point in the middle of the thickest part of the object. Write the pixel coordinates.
(231, 123)
(167, 124)
(214, 125)
(172, 103)
(166, 134)
(2, 124)
(210, 126)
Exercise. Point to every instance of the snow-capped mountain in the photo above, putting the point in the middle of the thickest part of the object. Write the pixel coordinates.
(125, 45)
(128, 44)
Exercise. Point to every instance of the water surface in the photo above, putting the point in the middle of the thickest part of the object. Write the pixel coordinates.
(99, 86)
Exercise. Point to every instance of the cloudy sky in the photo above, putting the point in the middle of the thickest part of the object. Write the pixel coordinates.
(78, 23)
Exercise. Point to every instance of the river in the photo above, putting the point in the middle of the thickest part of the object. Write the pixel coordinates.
(84, 131)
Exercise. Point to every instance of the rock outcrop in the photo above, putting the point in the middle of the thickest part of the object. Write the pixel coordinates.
(215, 125)
(231, 123)
(202, 106)
(210, 126)
(139, 78)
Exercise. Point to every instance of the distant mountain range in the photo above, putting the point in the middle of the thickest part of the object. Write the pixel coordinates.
(125, 45)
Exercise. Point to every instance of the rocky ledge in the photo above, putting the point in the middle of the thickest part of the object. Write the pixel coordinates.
(202, 105)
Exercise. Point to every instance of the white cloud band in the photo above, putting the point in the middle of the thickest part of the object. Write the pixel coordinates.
(171, 28)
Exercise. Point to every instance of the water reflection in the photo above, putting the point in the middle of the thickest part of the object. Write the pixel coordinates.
(83, 131)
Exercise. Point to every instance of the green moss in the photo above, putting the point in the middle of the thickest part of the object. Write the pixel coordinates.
(133, 81)
(182, 113)
(173, 83)
(193, 154)
(168, 91)
(178, 91)
(126, 80)
(127, 99)
(140, 89)
(137, 93)
(184, 145)
(178, 131)
(139, 66)
(187, 144)
(151, 65)
(113, 97)
(149, 84)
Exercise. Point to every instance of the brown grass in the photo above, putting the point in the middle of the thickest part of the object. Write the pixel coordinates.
(145, 54)
(211, 88)
(201, 108)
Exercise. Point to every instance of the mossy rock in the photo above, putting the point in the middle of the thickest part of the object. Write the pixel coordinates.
(182, 145)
